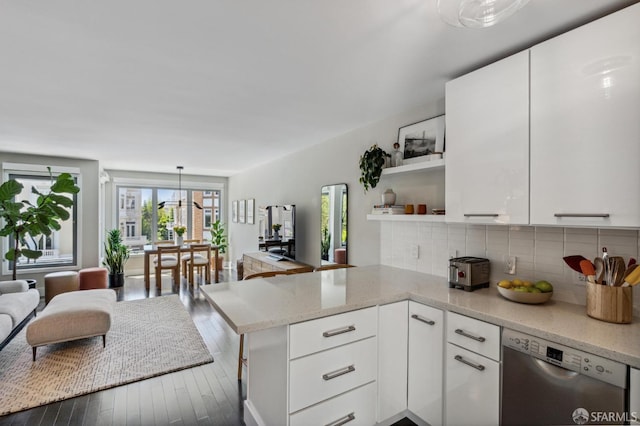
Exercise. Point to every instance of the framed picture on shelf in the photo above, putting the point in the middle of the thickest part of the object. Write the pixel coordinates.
(419, 141)
(241, 211)
(234, 211)
(250, 211)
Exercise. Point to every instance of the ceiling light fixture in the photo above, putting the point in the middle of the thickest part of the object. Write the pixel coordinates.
(477, 13)
(163, 203)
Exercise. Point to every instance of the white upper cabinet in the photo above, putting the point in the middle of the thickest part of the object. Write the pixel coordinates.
(585, 125)
(487, 144)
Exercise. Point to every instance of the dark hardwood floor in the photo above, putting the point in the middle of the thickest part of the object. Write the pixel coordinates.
(204, 395)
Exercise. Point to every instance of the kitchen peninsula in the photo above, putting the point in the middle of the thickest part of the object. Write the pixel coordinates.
(280, 315)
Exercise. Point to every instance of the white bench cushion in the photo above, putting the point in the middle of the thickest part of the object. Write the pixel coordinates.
(73, 315)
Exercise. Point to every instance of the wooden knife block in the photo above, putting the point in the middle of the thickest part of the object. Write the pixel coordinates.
(611, 304)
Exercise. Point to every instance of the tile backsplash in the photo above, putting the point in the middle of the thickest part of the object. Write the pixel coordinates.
(538, 251)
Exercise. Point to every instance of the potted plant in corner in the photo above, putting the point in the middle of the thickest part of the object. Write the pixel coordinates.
(371, 164)
(219, 239)
(24, 221)
(115, 257)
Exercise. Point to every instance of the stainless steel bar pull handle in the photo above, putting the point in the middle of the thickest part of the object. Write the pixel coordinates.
(481, 215)
(340, 330)
(343, 420)
(423, 319)
(338, 373)
(470, 336)
(478, 367)
(604, 215)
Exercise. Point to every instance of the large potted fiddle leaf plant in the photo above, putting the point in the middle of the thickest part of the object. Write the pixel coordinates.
(23, 221)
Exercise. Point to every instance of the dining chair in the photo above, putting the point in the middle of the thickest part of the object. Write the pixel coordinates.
(242, 360)
(185, 257)
(333, 266)
(199, 261)
(168, 258)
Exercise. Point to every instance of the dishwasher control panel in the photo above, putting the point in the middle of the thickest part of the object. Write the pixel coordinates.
(581, 362)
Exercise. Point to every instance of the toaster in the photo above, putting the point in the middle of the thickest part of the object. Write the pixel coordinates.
(468, 273)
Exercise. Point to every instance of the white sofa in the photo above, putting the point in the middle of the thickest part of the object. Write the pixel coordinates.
(17, 303)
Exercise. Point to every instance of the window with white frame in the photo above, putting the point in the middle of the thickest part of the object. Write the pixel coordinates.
(60, 249)
(146, 213)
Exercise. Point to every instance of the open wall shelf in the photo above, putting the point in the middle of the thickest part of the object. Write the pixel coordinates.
(407, 217)
(415, 167)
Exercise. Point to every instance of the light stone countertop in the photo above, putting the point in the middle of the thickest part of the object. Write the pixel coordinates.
(264, 303)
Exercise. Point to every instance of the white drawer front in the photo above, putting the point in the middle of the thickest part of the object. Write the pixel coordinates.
(318, 377)
(475, 335)
(472, 388)
(357, 407)
(324, 333)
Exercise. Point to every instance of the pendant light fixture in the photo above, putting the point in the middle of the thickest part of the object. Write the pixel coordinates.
(477, 13)
(179, 203)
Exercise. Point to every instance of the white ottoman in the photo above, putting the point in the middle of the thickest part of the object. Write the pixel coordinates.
(72, 316)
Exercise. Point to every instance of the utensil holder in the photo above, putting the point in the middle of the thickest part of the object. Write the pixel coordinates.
(611, 304)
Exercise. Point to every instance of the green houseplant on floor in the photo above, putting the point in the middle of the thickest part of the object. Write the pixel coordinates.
(219, 239)
(24, 221)
(116, 255)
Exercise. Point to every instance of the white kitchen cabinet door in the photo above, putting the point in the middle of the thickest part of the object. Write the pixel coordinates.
(487, 144)
(634, 395)
(472, 388)
(392, 359)
(585, 104)
(426, 337)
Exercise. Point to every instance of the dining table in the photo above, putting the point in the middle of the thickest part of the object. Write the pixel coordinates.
(150, 250)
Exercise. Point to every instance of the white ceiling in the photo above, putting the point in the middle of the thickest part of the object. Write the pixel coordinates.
(220, 86)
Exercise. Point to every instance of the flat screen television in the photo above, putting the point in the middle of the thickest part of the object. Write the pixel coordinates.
(278, 241)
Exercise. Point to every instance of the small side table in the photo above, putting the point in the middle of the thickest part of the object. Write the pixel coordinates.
(32, 283)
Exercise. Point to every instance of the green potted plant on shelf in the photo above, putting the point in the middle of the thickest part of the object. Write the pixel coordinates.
(219, 239)
(115, 257)
(371, 164)
(24, 221)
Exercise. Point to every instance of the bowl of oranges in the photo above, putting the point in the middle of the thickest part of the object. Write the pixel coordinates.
(523, 291)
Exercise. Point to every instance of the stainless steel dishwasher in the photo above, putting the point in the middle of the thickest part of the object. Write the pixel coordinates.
(544, 383)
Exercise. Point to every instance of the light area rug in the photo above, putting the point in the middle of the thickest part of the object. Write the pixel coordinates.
(148, 337)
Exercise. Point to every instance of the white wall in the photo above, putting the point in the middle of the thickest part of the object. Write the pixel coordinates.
(298, 177)
(88, 229)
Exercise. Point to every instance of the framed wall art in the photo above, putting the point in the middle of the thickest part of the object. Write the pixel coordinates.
(234, 211)
(250, 211)
(420, 140)
(241, 211)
